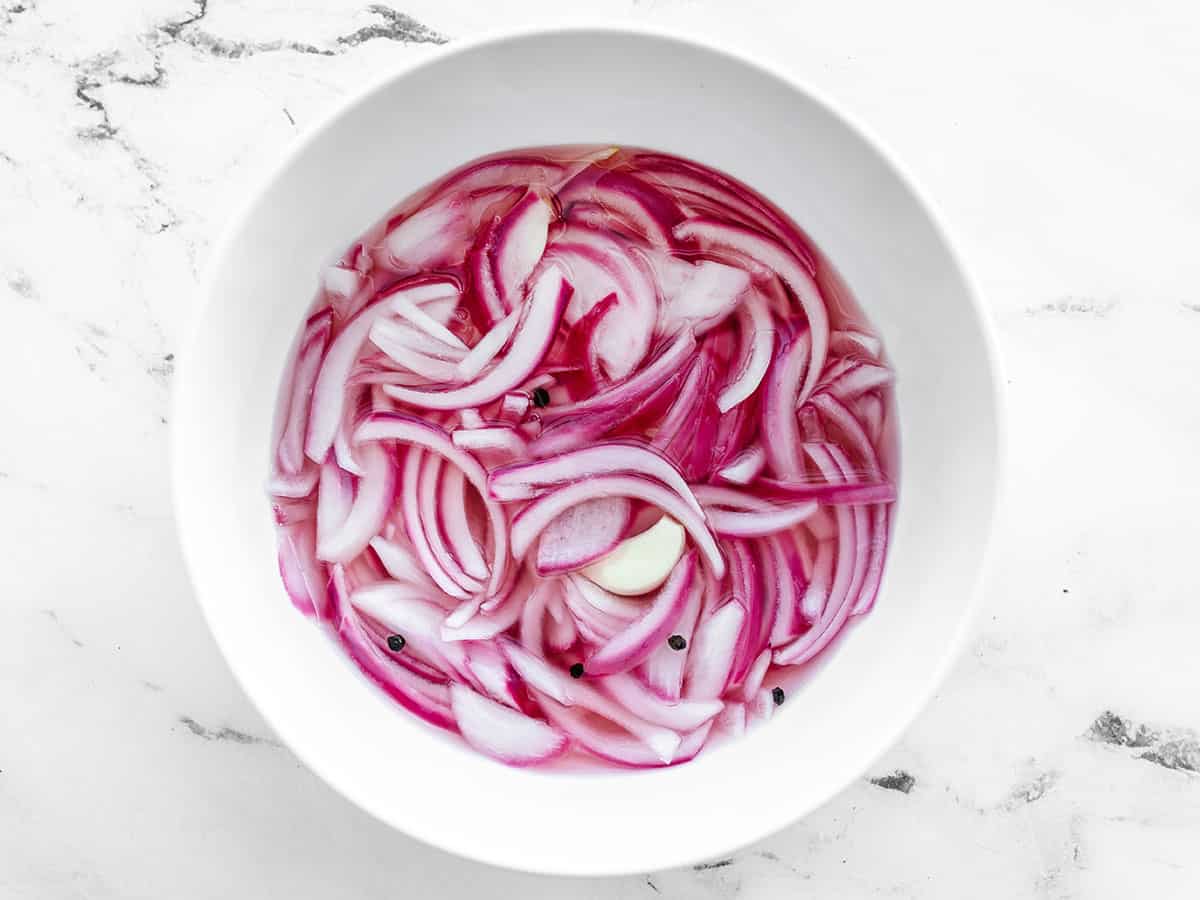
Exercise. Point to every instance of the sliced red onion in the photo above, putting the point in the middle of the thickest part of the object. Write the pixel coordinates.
(423, 364)
(598, 266)
(428, 491)
(791, 582)
(483, 286)
(335, 500)
(714, 646)
(699, 295)
(829, 494)
(523, 481)
(452, 506)
(301, 573)
(817, 593)
(685, 382)
(561, 634)
(520, 241)
(746, 466)
(533, 519)
(679, 715)
(639, 386)
(776, 259)
(635, 643)
(416, 526)
(487, 347)
(859, 379)
(595, 626)
(761, 523)
(839, 603)
(486, 624)
(779, 408)
(729, 196)
(294, 487)
(289, 512)
(493, 672)
(407, 610)
(582, 534)
(499, 439)
(432, 237)
(513, 406)
(407, 305)
(397, 682)
(758, 339)
(852, 343)
(625, 608)
(530, 342)
(872, 413)
(397, 426)
(665, 666)
(604, 743)
(372, 501)
(502, 733)
(732, 720)
(343, 452)
(313, 344)
(341, 282)
(755, 675)
(328, 399)
(642, 209)
(746, 586)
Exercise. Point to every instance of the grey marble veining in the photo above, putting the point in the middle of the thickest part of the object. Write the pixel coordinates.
(1061, 757)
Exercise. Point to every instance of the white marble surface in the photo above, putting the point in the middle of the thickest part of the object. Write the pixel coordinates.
(1062, 144)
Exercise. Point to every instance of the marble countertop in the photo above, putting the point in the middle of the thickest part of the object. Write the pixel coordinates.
(1061, 757)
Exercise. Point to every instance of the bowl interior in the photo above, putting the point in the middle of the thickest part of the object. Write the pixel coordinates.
(570, 87)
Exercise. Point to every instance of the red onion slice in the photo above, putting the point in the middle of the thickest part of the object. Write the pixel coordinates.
(408, 611)
(778, 260)
(416, 527)
(503, 440)
(328, 399)
(400, 563)
(859, 379)
(714, 646)
(428, 491)
(520, 241)
(779, 408)
(523, 481)
(791, 583)
(486, 348)
(372, 501)
(301, 573)
(533, 519)
(502, 733)
(313, 344)
(746, 466)
(399, 427)
(758, 338)
(530, 342)
(665, 666)
(397, 682)
(759, 524)
(635, 643)
(679, 715)
(855, 343)
(452, 507)
(582, 534)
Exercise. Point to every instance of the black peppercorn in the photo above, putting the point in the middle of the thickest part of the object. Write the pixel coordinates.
(540, 397)
(395, 642)
(676, 642)
(778, 696)
(577, 670)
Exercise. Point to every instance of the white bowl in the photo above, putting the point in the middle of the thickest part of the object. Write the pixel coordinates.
(590, 85)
